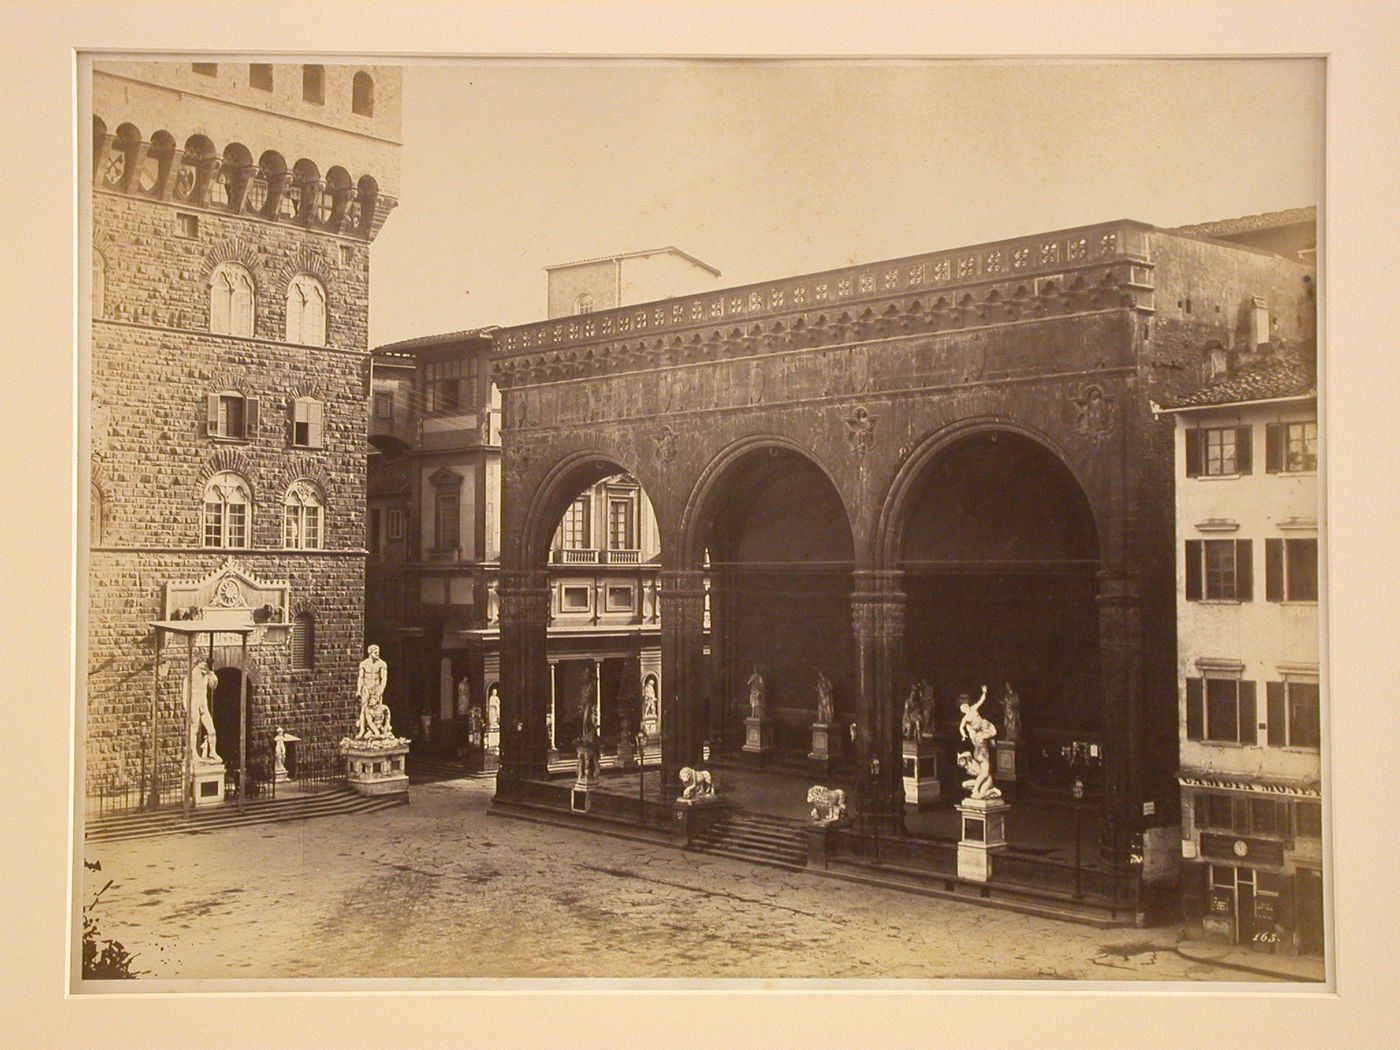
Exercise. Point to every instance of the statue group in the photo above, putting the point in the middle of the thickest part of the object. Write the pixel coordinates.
(978, 731)
(920, 710)
(373, 722)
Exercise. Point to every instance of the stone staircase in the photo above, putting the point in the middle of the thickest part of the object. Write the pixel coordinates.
(756, 838)
(124, 826)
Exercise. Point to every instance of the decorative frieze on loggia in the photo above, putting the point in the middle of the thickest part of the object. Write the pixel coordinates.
(1068, 272)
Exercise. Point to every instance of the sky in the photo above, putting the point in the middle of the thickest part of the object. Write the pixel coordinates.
(765, 169)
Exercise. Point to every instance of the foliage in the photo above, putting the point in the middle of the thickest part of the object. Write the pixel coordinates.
(103, 958)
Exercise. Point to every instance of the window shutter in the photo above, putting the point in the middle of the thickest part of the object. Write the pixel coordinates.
(313, 424)
(211, 418)
(1273, 448)
(1193, 453)
(1193, 570)
(314, 321)
(1244, 450)
(220, 300)
(1195, 709)
(1244, 570)
(1278, 730)
(250, 418)
(293, 314)
(1249, 716)
(1273, 570)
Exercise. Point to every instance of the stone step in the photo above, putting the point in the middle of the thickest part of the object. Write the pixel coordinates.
(739, 836)
(784, 858)
(337, 804)
(175, 816)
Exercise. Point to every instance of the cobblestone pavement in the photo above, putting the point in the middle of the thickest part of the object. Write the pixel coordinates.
(440, 889)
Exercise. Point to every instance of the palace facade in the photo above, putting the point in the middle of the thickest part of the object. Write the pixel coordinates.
(233, 210)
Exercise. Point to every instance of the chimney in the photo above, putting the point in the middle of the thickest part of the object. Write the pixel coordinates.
(1259, 333)
(1219, 358)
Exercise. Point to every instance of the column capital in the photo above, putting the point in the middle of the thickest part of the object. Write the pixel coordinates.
(878, 614)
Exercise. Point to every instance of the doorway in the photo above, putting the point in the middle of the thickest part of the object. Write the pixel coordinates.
(224, 709)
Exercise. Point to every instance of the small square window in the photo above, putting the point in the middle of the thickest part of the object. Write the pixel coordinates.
(260, 76)
(205, 69)
(620, 599)
(574, 599)
(189, 224)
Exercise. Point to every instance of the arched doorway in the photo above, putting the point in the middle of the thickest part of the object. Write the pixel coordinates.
(774, 538)
(224, 708)
(999, 552)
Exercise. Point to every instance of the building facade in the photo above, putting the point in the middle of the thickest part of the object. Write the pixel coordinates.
(233, 209)
(432, 580)
(943, 467)
(630, 277)
(1248, 637)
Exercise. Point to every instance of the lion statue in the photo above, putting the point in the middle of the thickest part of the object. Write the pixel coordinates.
(828, 804)
(696, 783)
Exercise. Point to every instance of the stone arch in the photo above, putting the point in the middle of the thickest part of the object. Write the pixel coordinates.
(318, 476)
(234, 250)
(228, 459)
(888, 536)
(569, 476)
(690, 552)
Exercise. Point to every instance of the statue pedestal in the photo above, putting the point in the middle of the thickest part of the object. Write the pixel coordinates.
(922, 788)
(983, 833)
(690, 817)
(207, 781)
(819, 758)
(758, 736)
(626, 752)
(493, 740)
(376, 766)
(1006, 759)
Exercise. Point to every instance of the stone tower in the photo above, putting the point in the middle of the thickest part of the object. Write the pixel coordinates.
(233, 208)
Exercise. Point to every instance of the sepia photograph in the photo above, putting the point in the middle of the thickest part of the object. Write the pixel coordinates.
(700, 521)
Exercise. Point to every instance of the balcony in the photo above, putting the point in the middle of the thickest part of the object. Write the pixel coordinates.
(574, 556)
(393, 433)
(628, 557)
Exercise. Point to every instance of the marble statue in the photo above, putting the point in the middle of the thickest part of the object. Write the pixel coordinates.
(373, 723)
(828, 804)
(651, 704)
(474, 726)
(696, 783)
(756, 693)
(464, 696)
(586, 750)
(493, 707)
(978, 731)
(1011, 713)
(587, 695)
(279, 751)
(928, 706)
(824, 700)
(203, 740)
(979, 784)
(913, 714)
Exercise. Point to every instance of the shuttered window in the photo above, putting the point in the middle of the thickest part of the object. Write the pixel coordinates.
(1290, 570)
(1219, 570)
(231, 415)
(1295, 715)
(1221, 709)
(306, 423)
(1290, 447)
(1219, 451)
(303, 642)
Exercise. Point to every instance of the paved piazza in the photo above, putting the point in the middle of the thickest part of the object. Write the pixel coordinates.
(449, 891)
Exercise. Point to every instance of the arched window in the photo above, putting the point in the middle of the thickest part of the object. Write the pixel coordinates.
(95, 521)
(303, 642)
(306, 311)
(227, 500)
(231, 301)
(302, 517)
(313, 84)
(583, 304)
(99, 285)
(362, 101)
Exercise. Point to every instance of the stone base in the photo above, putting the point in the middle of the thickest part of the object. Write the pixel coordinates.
(376, 767)
(758, 736)
(983, 834)
(691, 816)
(207, 781)
(922, 788)
(626, 752)
(1006, 761)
